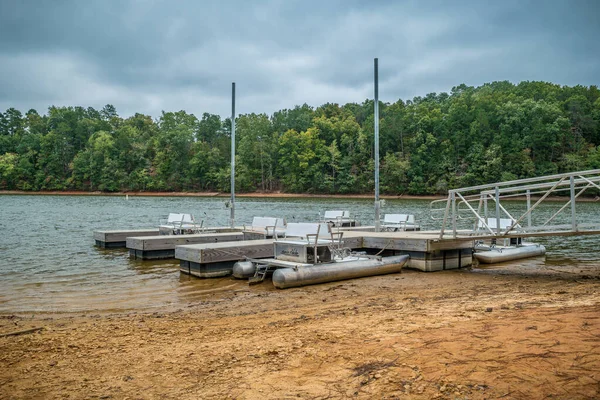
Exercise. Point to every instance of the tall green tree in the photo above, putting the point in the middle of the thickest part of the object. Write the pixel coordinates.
(173, 145)
(254, 150)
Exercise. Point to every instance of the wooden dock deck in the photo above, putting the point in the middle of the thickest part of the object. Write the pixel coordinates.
(214, 253)
(217, 259)
(163, 246)
(427, 252)
(117, 238)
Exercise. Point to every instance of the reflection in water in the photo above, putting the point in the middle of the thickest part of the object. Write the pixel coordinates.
(48, 261)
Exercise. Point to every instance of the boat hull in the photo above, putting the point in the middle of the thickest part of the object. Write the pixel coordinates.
(293, 277)
(501, 254)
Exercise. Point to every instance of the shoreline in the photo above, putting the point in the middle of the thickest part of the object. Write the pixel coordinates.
(215, 194)
(267, 195)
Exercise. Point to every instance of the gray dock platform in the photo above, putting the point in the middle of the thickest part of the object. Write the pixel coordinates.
(163, 246)
(427, 252)
(118, 238)
(216, 259)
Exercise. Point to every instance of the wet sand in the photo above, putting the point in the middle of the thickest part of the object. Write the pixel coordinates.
(452, 334)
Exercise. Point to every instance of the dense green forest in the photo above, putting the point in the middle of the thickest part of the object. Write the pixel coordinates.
(473, 135)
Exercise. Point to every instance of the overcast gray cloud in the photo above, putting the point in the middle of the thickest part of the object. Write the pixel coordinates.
(150, 55)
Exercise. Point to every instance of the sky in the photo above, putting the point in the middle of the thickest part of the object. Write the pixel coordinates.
(147, 56)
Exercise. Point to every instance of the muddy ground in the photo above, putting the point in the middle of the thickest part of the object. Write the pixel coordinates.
(455, 334)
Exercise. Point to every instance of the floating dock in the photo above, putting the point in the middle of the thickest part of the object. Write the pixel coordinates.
(216, 259)
(163, 246)
(426, 251)
(118, 238)
(212, 260)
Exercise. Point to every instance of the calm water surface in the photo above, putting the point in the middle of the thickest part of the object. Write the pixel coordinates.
(48, 261)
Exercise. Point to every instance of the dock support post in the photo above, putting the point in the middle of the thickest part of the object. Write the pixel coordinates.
(573, 211)
(453, 195)
(497, 210)
(528, 207)
(448, 202)
(485, 209)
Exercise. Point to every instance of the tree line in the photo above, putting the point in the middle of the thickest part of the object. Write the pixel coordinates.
(472, 135)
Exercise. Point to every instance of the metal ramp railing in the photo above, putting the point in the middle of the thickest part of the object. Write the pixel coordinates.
(467, 211)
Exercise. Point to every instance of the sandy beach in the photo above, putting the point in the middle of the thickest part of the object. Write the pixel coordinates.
(448, 335)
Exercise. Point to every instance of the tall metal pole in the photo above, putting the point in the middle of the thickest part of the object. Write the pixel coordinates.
(232, 205)
(377, 203)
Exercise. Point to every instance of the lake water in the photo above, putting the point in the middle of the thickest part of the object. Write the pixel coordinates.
(48, 261)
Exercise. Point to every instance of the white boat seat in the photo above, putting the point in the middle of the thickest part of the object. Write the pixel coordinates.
(305, 230)
(178, 219)
(177, 223)
(398, 221)
(270, 226)
(334, 215)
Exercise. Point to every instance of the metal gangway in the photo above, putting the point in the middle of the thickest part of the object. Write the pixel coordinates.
(477, 210)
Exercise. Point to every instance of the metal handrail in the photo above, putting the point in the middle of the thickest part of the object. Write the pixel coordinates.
(453, 212)
(528, 180)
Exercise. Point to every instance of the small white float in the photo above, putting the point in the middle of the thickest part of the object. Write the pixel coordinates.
(495, 254)
(513, 248)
